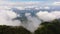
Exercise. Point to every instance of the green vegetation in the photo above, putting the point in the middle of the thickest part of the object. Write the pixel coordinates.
(52, 27)
(13, 30)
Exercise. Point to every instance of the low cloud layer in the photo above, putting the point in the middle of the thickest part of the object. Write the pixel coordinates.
(6, 18)
(28, 22)
(48, 16)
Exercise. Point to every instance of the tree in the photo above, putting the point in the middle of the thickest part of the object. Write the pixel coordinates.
(13, 30)
(52, 27)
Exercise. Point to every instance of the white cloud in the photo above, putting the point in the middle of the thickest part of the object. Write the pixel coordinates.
(46, 7)
(56, 3)
(21, 5)
(6, 18)
(57, 14)
(45, 16)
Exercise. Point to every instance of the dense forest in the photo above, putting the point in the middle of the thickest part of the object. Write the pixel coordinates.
(52, 27)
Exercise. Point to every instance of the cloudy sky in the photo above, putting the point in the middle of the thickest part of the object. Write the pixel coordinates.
(28, 3)
(7, 16)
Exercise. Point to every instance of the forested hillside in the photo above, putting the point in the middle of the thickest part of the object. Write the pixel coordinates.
(52, 27)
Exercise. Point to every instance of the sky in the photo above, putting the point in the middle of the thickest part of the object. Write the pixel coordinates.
(31, 0)
(28, 3)
(6, 16)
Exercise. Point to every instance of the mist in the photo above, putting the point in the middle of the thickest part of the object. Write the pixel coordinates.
(6, 18)
(48, 16)
(31, 23)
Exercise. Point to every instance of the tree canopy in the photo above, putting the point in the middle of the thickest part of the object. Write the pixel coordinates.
(52, 27)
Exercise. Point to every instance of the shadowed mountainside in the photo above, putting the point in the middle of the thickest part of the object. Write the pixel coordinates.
(52, 27)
